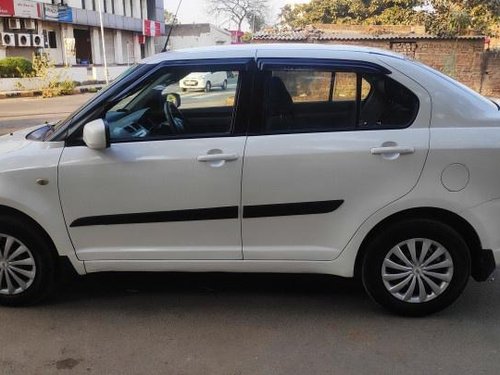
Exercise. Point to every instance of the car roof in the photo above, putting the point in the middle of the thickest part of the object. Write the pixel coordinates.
(266, 50)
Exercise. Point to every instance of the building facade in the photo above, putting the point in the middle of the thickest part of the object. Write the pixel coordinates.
(193, 35)
(69, 30)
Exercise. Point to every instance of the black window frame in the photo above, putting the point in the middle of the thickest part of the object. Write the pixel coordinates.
(239, 121)
(265, 65)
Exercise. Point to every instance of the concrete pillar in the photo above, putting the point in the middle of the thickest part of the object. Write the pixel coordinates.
(128, 9)
(137, 9)
(137, 48)
(109, 6)
(89, 5)
(144, 5)
(119, 55)
(67, 32)
(119, 8)
(150, 46)
(95, 41)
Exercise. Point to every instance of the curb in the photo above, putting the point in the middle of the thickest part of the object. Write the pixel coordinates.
(33, 93)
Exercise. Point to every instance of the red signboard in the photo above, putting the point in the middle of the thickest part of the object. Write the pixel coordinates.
(151, 28)
(6, 8)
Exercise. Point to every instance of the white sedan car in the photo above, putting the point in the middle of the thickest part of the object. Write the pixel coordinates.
(338, 160)
(204, 81)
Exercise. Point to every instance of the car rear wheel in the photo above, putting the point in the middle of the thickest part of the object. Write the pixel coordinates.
(27, 264)
(208, 87)
(416, 267)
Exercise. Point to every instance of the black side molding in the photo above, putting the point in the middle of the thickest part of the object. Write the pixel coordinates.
(215, 213)
(291, 209)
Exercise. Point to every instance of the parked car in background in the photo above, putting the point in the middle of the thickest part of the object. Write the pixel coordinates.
(339, 160)
(204, 81)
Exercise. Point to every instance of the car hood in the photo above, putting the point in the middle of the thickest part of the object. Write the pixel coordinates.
(17, 140)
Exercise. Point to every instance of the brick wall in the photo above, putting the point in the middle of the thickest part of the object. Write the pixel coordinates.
(460, 59)
(463, 59)
(491, 77)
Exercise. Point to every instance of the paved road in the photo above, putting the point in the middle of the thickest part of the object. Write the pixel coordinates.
(244, 324)
(18, 113)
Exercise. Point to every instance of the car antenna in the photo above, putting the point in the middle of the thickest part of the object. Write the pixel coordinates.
(171, 26)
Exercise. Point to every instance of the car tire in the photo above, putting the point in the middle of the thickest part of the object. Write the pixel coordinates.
(208, 87)
(33, 276)
(224, 85)
(402, 258)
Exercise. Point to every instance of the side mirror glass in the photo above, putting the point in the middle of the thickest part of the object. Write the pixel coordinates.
(173, 98)
(96, 135)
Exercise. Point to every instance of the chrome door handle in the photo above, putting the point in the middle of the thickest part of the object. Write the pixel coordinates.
(217, 157)
(392, 150)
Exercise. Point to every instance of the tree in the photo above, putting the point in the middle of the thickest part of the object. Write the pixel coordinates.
(442, 17)
(351, 12)
(458, 17)
(170, 18)
(238, 11)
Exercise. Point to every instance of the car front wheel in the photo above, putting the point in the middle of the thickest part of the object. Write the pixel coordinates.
(208, 87)
(416, 267)
(27, 264)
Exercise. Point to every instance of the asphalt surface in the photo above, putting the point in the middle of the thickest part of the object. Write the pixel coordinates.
(244, 324)
(234, 324)
(19, 113)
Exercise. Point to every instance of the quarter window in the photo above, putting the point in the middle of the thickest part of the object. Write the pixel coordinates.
(310, 100)
(176, 104)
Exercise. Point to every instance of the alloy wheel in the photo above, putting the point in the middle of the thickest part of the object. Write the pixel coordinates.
(417, 270)
(17, 266)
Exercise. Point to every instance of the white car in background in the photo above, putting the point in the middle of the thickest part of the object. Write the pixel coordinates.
(204, 81)
(339, 160)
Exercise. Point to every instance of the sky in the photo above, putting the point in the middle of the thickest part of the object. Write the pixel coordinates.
(195, 11)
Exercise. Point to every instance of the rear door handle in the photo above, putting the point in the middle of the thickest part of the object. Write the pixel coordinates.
(217, 157)
(392, 150)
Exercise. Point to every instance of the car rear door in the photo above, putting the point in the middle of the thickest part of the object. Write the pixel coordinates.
(322, 156)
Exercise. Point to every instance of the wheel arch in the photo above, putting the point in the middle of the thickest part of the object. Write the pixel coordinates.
(9, 211)
(462, 226)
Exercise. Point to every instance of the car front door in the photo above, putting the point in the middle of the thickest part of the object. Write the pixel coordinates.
(334, 143)
(168, 187)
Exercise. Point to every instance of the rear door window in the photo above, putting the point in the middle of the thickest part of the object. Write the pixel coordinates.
(309, 100)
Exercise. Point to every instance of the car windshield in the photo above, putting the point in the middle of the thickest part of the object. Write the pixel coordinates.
(56, 126)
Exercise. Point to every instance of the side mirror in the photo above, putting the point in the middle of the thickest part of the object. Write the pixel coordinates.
(175, 98)
(96, 135)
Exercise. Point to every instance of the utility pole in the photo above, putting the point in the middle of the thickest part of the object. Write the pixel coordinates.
(103, 43)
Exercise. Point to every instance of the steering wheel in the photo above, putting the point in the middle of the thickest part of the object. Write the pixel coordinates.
(175, 118)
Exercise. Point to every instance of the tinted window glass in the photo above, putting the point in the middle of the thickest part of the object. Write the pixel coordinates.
(308, 100)
(176, 104)
(389, 105)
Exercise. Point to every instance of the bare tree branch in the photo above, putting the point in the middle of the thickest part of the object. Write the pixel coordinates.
(239, 10)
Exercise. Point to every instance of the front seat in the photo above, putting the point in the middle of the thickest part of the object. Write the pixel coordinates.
(280, 106)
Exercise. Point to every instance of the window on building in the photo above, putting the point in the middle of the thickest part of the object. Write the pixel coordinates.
(131, 8)
(83, 4)
(311, 100)
(105, 4)
(52, 40)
